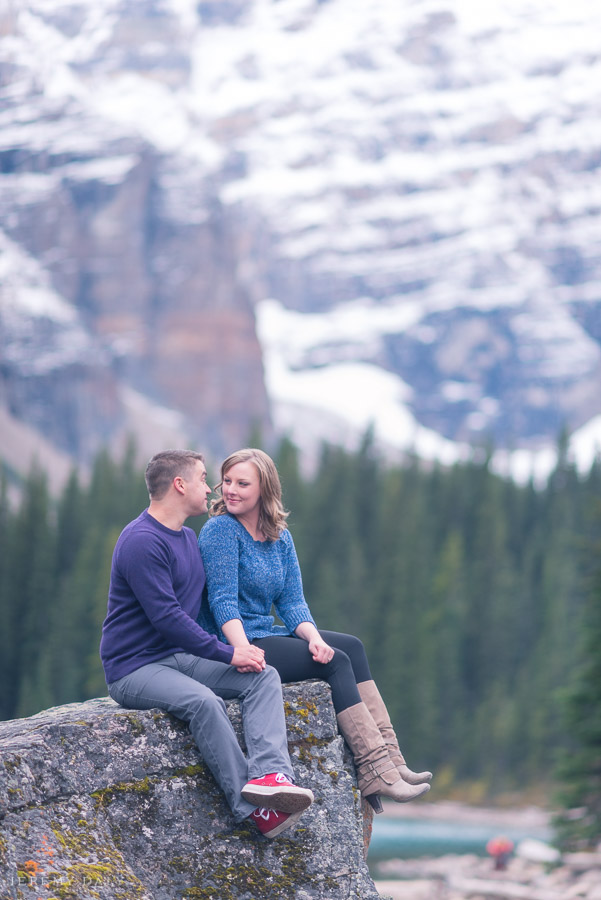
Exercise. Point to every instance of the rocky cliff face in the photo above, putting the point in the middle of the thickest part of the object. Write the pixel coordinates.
(119, 266)
(105, 287)
(414, 191)
(101, 802)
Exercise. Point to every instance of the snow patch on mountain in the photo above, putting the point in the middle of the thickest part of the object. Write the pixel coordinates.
(40, 329)
(416, 183)
(24, 287)
(319, 397)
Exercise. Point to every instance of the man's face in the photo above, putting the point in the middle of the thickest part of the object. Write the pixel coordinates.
(197, 489)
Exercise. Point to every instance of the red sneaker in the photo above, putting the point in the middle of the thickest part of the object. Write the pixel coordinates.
(275, 791)
(271, 822)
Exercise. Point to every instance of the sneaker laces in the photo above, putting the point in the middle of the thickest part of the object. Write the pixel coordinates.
(262, 813)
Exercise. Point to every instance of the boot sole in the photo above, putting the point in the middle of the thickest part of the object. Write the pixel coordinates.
(412, 796)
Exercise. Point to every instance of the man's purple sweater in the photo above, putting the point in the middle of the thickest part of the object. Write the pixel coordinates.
(155, 593)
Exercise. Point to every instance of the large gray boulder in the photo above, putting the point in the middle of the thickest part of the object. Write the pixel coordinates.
(101, 802)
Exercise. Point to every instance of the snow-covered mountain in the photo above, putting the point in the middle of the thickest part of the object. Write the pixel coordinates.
(404, 195)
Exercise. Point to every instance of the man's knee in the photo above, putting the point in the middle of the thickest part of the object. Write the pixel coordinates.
(207, 703)
(268, 679)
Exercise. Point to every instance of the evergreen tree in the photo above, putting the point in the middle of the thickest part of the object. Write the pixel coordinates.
(71, 524)
(93, 683)
(400, 574)
(75, 626)
(560, 609)
(450, 710)
(294, 490)
(579, 825)
(31, 547)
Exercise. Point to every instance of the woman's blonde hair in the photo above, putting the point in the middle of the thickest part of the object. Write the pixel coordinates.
(272, 515)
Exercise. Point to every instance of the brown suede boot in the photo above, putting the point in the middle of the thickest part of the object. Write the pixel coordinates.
(376, 773)
(372, 698)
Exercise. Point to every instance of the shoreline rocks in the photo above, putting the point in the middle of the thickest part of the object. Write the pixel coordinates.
(471, 877)
(461, 878)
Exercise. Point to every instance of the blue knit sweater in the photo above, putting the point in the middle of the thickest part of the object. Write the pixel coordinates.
(245, 578)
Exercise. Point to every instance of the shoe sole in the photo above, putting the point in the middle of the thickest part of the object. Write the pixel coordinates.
(290, 821)
(288, 800)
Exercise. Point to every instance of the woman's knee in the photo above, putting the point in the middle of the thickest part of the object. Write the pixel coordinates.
(341, 661)
(354, 645)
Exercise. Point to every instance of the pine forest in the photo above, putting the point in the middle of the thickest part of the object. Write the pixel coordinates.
(478, 600)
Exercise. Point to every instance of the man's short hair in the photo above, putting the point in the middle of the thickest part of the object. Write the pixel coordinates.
(165, 466)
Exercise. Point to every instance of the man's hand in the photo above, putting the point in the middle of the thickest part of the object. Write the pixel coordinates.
(248, 658)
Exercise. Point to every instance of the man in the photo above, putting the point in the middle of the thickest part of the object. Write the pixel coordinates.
(155, 654)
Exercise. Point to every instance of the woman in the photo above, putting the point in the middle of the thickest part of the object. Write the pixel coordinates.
(251, 565)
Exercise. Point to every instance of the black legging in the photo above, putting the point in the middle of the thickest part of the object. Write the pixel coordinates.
(290, 655)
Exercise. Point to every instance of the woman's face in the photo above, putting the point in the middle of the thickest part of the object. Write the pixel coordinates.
(241, 490)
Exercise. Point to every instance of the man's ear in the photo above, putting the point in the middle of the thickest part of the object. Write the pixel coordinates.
(179, 484)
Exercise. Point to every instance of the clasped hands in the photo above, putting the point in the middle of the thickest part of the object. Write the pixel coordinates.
(248, 658)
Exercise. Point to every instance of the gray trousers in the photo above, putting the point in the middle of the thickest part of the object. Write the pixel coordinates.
(192, 689)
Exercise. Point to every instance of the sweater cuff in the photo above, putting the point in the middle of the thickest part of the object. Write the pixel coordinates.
(293, 617)
(223, 612)
(225, 653)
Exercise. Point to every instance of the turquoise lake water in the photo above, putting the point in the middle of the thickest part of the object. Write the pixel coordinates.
(410, 838)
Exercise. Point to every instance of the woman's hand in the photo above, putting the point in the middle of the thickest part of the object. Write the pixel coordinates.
(319, 650)
(248, 658)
